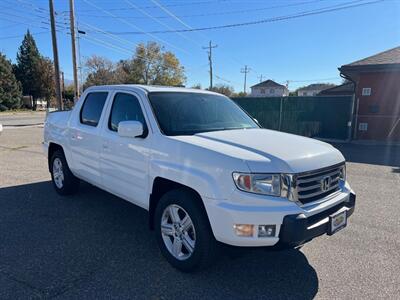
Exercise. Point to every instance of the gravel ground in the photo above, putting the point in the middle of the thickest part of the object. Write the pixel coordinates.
(95, 245)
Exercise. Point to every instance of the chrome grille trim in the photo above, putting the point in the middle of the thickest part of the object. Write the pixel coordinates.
(307, 187)
(299, 181)
(318, 192)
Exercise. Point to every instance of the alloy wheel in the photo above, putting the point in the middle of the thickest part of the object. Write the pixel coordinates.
(58, 173)
(178, 232)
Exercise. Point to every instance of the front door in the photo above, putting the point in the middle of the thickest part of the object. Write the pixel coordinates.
(124, 160)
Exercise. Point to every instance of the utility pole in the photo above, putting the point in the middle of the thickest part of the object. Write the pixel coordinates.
(245, 70)
(62, 85)
(73, 47)
(55, 55)
(210, 47)
(79, 57)
(261, 78)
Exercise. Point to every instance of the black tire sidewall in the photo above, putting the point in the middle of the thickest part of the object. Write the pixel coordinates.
(205, 241)
(70, 183)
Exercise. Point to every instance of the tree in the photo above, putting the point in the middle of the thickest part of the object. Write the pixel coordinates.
(10, 88)
(99, 70)
(124, 72)
(46, 83)
(28, 57)
(150, 65)
(223, 89)
(69, 92)
(240, 94)
(34, 71)
(170, 72)
(196, 86)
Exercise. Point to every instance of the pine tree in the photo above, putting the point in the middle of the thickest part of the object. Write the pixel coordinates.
(34, 71)
(26, 70)
(10, 89)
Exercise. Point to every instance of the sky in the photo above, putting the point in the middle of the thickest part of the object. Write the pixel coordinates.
(301, 50)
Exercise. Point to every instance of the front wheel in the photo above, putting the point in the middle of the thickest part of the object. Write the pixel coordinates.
(183, 231)
(64, 182)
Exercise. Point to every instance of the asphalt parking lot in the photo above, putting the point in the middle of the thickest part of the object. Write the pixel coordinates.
(95, 245)
(22, 118)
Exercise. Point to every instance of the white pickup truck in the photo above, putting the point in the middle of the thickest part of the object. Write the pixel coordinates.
(204, 169)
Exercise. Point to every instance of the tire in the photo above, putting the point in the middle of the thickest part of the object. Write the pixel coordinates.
(64, 182)
(204, 249)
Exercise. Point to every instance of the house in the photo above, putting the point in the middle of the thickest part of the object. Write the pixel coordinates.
(269, 88)
(313, 89)
(377, 95)
(27, 102)
(345, 89)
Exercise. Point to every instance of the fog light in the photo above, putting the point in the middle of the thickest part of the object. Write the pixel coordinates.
(266, 230)
(244, 229)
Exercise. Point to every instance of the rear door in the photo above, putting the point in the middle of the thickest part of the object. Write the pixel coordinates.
(124, 160)
(85, 140)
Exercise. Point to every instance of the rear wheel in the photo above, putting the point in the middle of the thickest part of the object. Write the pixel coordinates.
(183, 231)
(64, 182)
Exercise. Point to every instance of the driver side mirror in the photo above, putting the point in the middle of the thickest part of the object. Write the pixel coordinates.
(130, 129)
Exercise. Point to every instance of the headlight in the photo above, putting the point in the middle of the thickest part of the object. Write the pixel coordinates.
(265, 184)
(342, 173)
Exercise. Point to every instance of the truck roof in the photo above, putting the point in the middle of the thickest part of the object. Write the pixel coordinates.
(148, 88)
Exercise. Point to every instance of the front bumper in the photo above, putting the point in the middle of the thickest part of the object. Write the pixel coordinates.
(295, 225)
(299, 229)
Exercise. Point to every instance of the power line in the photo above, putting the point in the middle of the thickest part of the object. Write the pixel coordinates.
(327, 9)
(119, 49)
(39, 18)
(226, 80)
(171, 14)
(112, 36)
(133, 25)
(21, 10)
(154, 6)
(31, 21)
(158, 21)
(116, 38)
(24, 23)
(218, 13)
(35, 7)
(189, 27)
(22, 35)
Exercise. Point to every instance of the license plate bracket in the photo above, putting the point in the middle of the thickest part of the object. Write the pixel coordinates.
(337, 221)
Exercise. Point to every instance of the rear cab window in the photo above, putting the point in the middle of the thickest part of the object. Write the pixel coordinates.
(92, 108)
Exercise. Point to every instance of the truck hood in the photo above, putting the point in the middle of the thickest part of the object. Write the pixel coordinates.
(266, 150)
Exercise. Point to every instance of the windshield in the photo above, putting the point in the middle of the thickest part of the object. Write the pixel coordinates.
(191, 113)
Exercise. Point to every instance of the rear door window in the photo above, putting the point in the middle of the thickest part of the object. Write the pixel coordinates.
(92, 108)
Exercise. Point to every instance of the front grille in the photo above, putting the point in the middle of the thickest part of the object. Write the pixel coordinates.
(310, 186)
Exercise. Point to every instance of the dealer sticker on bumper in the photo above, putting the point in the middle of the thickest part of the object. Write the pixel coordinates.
(337, 221)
